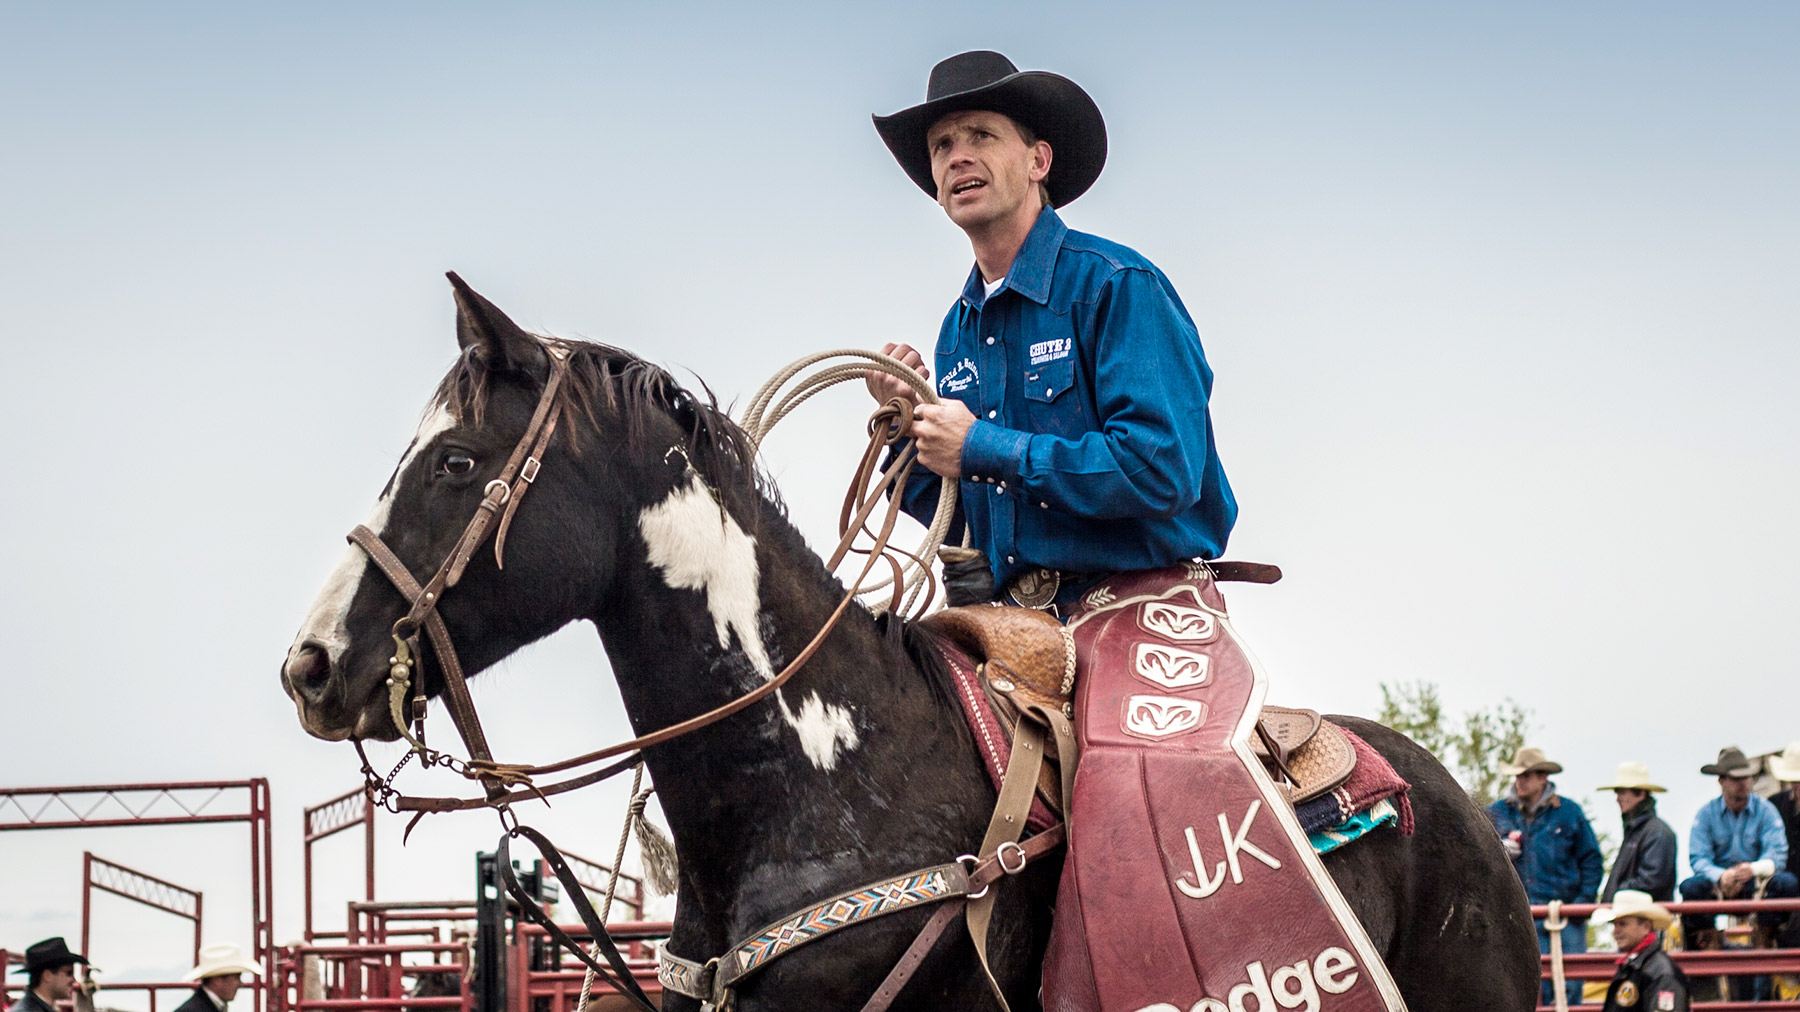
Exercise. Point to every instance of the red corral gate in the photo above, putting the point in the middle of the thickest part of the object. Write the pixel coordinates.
(100, 875)
(390, 955)
(1700, 966)
(434, 954)
(183, 803)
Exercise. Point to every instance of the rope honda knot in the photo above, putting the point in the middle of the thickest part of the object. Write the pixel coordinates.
(897, 416)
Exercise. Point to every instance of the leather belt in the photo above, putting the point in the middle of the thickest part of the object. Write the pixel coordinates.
(1038, 587)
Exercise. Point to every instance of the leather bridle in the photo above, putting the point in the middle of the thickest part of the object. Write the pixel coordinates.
(505, 783)
(960, 887)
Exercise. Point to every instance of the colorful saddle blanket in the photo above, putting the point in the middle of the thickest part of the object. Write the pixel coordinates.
(1189, 884)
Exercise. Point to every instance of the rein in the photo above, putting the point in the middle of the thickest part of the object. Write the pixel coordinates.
(505, 783)
(965, 881)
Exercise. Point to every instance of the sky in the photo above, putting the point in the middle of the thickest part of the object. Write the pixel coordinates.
(1500, 301)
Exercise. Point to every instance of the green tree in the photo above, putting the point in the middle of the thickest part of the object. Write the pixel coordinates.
(1471, 748)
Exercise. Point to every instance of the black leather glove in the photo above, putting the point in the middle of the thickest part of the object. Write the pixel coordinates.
(967, 576)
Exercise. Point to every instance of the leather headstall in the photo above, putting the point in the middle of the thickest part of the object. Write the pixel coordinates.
(958, 887)
(505, 783)
(500, 498)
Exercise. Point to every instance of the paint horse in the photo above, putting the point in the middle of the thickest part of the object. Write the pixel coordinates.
(650, 519)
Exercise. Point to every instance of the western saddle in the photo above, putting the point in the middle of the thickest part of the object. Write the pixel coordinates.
(1026, 659)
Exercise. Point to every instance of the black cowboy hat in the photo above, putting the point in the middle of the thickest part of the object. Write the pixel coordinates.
(48, 954)
(1054, 107)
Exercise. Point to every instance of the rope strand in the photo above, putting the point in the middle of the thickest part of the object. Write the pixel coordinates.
(634, 810)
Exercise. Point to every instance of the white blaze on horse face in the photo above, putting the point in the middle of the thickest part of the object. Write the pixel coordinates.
(697, 546)
(328, 622)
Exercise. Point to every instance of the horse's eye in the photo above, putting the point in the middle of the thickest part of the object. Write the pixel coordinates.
(456, 464)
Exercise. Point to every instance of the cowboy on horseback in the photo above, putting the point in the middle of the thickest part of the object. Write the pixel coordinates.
(1075, 388)
(1073, 413)
(869, 814)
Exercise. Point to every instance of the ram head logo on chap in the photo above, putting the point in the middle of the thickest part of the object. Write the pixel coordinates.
(1170, 667)
(1179, 622)
(1157, 717)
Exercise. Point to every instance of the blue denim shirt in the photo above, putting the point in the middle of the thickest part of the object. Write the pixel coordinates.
(1092, 449)
(1721, 838)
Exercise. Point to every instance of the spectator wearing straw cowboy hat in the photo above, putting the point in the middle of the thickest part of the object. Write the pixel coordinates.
(50, 976)
(1647, 978)
(1785, 767)
(1074, 388)
(220, 973)
(1646, 860)
(1738, 849)
(1551, 845)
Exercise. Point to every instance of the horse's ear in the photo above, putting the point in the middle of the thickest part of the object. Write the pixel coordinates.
(479, 323)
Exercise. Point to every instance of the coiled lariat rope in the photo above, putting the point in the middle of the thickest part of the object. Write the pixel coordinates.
(909, 586)
(873, 488)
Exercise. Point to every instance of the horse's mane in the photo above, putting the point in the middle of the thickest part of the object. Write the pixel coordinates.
(604, 380)
(926, 651)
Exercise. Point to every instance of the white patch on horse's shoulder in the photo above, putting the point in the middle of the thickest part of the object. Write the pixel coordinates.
(695, 545)
(826, 730)
(327, 623)
(698, 546)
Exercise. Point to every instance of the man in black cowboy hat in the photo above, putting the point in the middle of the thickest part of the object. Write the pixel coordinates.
(1074, 386)
(50, 969)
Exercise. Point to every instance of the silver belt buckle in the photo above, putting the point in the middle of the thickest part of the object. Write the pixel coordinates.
(1035, 588)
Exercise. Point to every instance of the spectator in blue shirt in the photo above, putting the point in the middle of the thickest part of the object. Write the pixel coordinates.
(1074, 387)
(1739, 850)
(1551, 845)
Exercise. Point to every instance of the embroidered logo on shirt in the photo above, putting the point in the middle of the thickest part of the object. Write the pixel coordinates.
(960, 378)
(1051, 350)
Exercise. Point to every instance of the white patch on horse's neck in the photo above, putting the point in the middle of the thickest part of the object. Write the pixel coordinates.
(327, 624)
(696, 545)
(826, 730)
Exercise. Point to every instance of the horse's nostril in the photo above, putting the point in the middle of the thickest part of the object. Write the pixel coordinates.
(309, 670)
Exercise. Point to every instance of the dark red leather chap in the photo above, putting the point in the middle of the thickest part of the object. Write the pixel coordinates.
(1189, 885)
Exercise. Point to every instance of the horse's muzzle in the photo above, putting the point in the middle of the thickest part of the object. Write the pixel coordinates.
(317, 692)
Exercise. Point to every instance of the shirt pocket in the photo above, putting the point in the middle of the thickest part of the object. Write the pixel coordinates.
(1045, 383)
(1050, 402)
